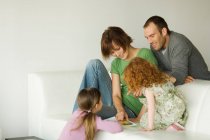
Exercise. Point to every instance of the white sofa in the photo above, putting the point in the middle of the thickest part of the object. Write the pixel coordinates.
(1, 136)
(51, 96)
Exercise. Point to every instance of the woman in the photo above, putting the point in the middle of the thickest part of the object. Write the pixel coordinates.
(116, 43)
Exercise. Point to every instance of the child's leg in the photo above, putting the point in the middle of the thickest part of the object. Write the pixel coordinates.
(175, 127)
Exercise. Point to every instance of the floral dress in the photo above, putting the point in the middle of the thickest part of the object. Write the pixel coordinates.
(170, 106)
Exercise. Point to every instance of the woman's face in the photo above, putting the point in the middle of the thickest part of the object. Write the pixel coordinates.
(118, 52)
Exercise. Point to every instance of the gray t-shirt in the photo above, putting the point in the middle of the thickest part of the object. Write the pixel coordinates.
(181, 58)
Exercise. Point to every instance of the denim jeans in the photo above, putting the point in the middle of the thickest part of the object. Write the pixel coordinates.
(96, 75)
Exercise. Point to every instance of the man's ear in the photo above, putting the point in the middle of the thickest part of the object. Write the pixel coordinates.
(164, 31)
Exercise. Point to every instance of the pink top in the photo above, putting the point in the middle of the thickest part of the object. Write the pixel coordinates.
(79, 134)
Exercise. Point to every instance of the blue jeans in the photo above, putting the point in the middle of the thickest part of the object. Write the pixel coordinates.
(97, 76)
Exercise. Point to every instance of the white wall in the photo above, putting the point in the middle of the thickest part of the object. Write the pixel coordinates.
(46, 35)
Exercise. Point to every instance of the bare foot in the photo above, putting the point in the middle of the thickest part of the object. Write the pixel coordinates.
(135, 120)
(175, 127)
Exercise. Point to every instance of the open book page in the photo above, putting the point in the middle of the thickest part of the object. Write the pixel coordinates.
(127, 123)
(124, 122)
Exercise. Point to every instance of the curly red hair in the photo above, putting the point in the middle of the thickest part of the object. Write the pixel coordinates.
(140, 73)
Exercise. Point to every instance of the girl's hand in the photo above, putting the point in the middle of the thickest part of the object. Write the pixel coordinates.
(172, 79)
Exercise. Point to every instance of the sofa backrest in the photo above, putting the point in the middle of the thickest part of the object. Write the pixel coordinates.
(55, 91)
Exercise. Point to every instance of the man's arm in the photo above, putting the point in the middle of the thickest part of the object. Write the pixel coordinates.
(179, 61)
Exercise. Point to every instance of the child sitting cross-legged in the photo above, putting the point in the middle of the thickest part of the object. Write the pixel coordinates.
(84, 122)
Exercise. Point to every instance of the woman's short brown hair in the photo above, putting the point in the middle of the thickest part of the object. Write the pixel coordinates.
(114, 35)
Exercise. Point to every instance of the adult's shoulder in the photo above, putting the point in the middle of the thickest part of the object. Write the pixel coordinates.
(115, 60)
(144, 51)
(179, 40)
(178, 37)
(148, 55)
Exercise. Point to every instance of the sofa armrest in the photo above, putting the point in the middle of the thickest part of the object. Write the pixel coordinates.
(197, 94)
(51, 95)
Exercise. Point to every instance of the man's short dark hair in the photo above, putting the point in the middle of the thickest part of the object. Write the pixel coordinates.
(159, 22)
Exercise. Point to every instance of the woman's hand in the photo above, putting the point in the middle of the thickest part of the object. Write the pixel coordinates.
(122, 115)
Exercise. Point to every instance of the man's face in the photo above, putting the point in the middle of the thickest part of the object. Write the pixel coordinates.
(154, 37)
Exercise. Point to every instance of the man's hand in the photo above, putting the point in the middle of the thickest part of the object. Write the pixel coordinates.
(188, 79)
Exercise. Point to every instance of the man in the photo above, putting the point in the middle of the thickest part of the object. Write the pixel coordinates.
(175, 53)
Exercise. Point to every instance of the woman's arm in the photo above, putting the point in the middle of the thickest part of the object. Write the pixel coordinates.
(117, 98)
(151, 109)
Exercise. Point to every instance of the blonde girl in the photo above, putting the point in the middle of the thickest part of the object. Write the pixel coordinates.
(84, 122)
